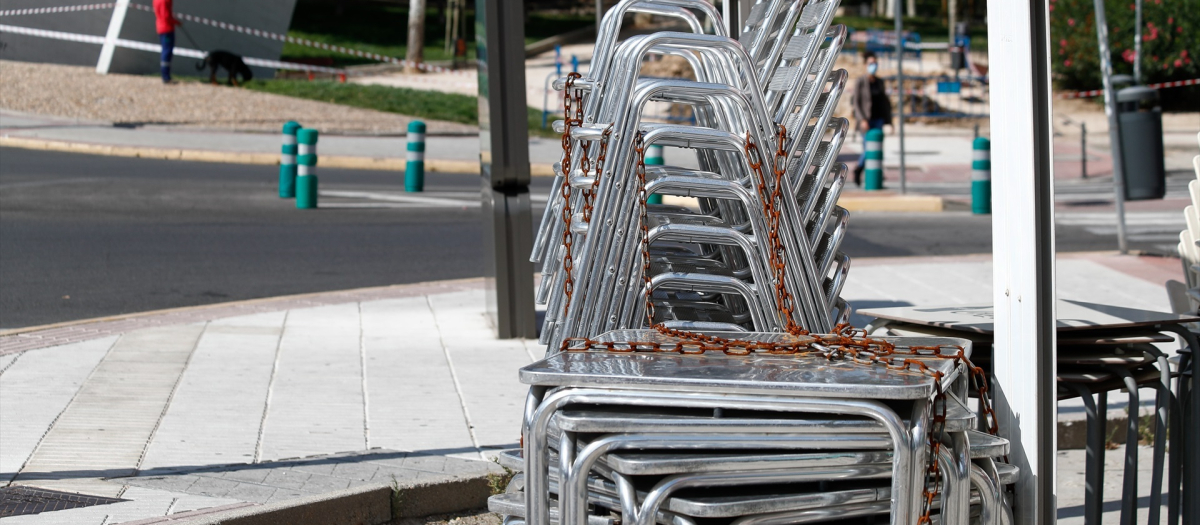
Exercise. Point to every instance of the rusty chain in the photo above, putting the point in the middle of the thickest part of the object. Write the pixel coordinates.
(845, 343)
(568, 238)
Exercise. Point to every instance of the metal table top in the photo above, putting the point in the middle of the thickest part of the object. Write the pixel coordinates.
(762, 373)
(1072, 316)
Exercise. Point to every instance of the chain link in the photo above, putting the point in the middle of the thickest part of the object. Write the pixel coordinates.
(568, 238)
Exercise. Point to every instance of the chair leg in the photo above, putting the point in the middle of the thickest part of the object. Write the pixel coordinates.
(1093, 474)
(1129, 483)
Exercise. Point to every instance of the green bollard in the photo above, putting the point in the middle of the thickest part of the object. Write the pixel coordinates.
(873, 170)
(306, 173)
(287, 161)
(654, 157)
(981, 177)
(414, 170)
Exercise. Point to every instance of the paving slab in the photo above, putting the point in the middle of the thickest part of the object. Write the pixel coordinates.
(360, 385)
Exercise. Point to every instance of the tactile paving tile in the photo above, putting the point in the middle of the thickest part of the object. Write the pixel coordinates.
(18, 501)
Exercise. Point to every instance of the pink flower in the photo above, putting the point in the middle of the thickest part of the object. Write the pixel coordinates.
(1132, 7)
(1062, 51)
(1170, 20)
(1062, 43)
(1178, 63)
(1067, 63)
(1129, 55)
(1179, 29)
(1071, 22)
(1183, 53)
(1052, 7)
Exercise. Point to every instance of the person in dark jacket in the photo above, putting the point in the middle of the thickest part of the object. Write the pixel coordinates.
(872, 107)
(165, 23)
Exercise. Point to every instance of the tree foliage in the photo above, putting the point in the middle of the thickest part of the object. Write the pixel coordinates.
(1170, 40)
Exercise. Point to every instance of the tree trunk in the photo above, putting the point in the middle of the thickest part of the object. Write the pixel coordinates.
(416, 35)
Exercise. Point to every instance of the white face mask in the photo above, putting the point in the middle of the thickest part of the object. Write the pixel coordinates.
(872, 68)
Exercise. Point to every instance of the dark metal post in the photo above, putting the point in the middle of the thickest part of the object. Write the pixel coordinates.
(504, 166)
(1083, 148)
(734, 18)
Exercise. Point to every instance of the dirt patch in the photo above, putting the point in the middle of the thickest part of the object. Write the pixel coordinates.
(470, 517)
(80, 93)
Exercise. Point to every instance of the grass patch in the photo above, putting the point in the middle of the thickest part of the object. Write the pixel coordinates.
(435, 105)
(931, 29)
(382, 27)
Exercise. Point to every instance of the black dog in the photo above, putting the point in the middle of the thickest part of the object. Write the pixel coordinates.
(230, 62)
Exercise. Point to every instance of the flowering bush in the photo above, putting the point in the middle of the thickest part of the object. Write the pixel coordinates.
(1170, 41)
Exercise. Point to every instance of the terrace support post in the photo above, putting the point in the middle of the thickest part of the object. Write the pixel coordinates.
(1023, 249)
(504, 166)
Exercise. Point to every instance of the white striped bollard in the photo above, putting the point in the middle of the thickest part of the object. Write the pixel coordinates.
(306, 172)
(873, 170)
(981, 176)
(414, 169)
(287, 161)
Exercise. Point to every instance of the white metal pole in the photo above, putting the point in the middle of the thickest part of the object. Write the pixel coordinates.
(1114, 125)
(110, 38)
(1137, 43)
(900, 88)
(1023, 248)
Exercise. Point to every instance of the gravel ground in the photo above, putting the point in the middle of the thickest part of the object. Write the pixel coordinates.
(470, 517)
(79, 93)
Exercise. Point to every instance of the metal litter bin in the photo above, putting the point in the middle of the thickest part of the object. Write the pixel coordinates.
(1140, 118)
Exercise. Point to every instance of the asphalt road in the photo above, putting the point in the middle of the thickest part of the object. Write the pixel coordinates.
(84, 236)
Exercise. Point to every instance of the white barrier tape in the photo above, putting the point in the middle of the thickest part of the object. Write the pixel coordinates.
(1160, 85)
(62, 9)
(306, 42)
(155, 48)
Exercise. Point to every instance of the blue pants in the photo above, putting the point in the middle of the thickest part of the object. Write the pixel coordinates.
(168, 50)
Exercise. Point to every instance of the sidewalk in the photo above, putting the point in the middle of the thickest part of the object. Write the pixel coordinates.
(209, 407)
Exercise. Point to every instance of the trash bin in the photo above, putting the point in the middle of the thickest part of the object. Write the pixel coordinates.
(1140, 119)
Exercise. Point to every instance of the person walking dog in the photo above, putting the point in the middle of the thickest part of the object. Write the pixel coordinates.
(872, 107)
(165, 22)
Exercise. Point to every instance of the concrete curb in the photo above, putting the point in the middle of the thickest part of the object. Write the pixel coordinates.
(375, 504)
(236, 157)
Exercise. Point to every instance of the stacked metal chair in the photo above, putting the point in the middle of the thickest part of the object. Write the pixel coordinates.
(621, 424)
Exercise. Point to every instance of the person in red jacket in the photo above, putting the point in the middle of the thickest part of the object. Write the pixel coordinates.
(165, 22)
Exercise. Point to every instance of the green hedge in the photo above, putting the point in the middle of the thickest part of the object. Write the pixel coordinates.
(1170, 41)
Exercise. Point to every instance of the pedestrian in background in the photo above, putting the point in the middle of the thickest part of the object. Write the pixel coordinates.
(872, 107)
(165, 22)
